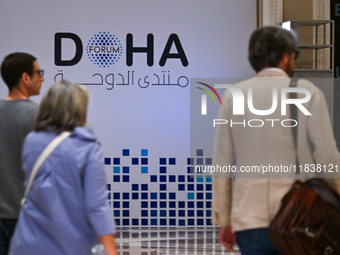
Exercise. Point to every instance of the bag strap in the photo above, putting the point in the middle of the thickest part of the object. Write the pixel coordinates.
(46, 152)
(294, 116)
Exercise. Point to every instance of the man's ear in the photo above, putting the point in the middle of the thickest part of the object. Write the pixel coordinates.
(285, 58)
(25, 78)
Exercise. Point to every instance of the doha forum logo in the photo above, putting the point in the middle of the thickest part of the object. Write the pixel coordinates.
(104, 49)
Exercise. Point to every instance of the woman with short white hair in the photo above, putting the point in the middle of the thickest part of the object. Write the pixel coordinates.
(66, 209)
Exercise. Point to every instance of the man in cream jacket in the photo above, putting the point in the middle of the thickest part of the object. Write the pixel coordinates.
(247, 205)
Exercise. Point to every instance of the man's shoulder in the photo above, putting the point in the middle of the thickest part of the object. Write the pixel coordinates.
(303, 83)
(18, 103)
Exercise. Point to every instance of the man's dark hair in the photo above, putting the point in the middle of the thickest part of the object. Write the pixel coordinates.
(267, 46)
(14, 65)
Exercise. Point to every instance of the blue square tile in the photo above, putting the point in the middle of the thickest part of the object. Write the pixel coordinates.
(208, 178)
(172, 161)
(190, 170)
(144, 169)
(144, 186)
(191, 187)
(134, 161)
(116, 169)
(190, 161)
(200, 213)
(199, 153)
(181, 187)
(153, 195)
(172, 222)
(153, 222)
(172, 204)
(116, 178)
(135, 222)
(144, 204)
(162, 204)
(153, 204)
(172, 178)
(208, 195)
(144, 195)
(162, 186)
(181, 222)
(162, 178)
(190, 178)
(200, 187)
(199, 161)
(153, 213)
(144, 152)
(134, 186)
(208, 161)
(191, 213)
(181, 213)
(191, 205)
(191, 222)
(126, 213)
(135, 195)
(126, 204)
(172, 195)
(116, 195)
(126, 152)
(162, 213)
(172, 213)
(162, 195)
(191, 195)
(199, 178)
(126, 178)
(126, 222)
(208, 213)
(145, 222)
(208, 204)
(126, 195)
(162, 222)
(199, 204)
(162, 169)
(144, 161)
(116, 204)
(200, 222)
(208, 222)
(116, 161)
(181, 178)
(116, 213)
(117, 221)
(208, 187)
(162, 161)
(126, 170)
(153, 178)
(144, 213)
(181, 204)
(107, 161)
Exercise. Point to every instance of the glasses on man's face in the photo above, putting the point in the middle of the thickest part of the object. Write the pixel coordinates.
(296, 54)
(40, 72)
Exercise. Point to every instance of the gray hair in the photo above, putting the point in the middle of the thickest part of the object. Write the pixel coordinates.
(63, 108)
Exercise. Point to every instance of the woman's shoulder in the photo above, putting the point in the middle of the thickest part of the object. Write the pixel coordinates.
(81, 135)
(84, 133)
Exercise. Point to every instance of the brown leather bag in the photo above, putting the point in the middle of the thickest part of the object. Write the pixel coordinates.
(308, 221)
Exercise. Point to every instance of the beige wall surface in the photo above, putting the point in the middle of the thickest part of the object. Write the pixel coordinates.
(301, 10)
